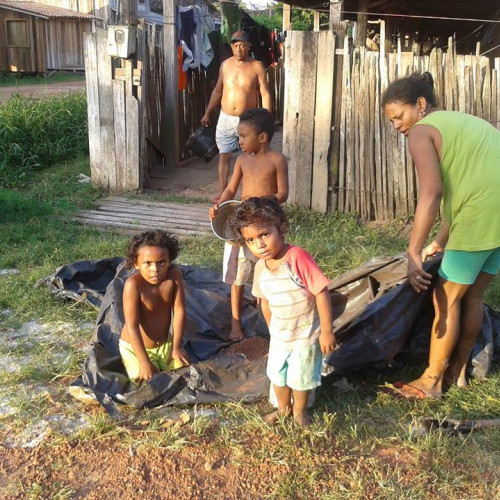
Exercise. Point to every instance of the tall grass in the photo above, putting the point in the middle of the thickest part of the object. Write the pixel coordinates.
(37, 133)
(20, 79)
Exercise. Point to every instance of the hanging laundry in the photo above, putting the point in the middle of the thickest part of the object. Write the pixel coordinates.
(232, 16)
(182, 74)
(194, 26)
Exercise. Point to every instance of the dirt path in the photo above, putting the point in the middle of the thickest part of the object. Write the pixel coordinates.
(41, 90)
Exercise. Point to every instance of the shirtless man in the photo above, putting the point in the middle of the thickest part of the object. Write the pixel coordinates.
(261, 172)
(241, 78)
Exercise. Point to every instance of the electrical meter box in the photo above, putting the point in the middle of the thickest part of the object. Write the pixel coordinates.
(121, 41)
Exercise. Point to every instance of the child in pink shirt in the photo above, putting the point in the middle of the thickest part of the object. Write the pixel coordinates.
(295, 302)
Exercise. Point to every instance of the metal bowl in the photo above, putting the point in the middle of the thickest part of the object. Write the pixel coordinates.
(220, 225)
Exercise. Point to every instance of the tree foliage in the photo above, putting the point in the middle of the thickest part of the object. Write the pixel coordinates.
(301, 19)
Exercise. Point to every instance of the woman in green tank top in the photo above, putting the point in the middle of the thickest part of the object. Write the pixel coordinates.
(457, 159)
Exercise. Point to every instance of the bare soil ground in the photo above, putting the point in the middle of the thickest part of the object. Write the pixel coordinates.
(41, 90)
(197, 179)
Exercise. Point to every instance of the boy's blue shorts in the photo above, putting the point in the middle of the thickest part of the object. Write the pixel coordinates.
(298, 367)
(464, 267)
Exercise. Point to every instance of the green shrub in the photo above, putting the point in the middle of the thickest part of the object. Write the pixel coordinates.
(37, 133)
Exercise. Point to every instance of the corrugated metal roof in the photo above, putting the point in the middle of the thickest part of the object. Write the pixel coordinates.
(46, 11)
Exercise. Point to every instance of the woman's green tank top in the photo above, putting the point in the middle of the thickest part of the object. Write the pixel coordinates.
(470, 171)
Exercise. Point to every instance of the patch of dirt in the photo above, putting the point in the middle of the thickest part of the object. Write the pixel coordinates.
(41, 90)
(252, 348)
(100, 470)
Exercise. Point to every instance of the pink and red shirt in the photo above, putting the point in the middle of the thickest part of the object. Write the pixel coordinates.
(291, 291)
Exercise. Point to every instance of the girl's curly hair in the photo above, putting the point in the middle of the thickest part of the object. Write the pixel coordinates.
(157, 238)
(257, 211)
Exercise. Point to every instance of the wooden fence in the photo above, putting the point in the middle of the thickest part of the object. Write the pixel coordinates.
(113, 116)
(343, 154)
(126, 109)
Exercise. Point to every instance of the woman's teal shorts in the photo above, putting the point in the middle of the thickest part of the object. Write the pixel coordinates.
(464, 267)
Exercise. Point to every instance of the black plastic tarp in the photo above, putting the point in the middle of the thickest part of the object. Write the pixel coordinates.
(377, 316)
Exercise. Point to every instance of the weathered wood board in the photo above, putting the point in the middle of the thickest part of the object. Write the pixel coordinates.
(133, 216)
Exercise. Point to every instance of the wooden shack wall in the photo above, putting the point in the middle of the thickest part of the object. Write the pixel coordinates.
(64, 42)
(22, 59)
(343, 154)
(98, 8)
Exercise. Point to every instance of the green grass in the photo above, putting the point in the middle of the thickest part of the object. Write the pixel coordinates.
(21, 79)
(362, 443)
(37, 133)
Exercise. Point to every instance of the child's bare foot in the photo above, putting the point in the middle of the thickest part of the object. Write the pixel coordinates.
(274, 416)
(237, 332)
(302, 418)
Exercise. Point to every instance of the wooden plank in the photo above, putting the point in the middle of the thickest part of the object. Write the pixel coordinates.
(497, 69)
(98, 175)
(106, 122)
(478, 98)
(486, 88)
(359, 98)
(133, 176)
(390, 146)
(191, 207)
(305, 119)
(344, 89)
(145, 219)
(134, 212)
(467, 88)
(372, 93)
(334, 156)
(119, 119)
(289, 110)
(316, 20)
(299, 113)
(494, 98)
(323, 120)
(349, 142)
(91, 221)
(461, 82)
(448, 96)
(171, 81)
(377, 150)
(287, 16)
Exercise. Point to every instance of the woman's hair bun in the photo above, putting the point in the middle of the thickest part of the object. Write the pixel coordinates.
(428, 78)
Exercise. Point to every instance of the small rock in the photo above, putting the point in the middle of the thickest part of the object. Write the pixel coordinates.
(9, 272)
(84, 179)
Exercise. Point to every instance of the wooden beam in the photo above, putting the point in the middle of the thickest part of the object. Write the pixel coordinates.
(171, 80)
(323, 120)
(287, 16)
(361, 23)
(316, 19)
(335, 15)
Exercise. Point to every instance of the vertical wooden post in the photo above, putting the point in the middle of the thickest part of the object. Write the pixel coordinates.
(316, 19)
(171, 80)
(335, 15)
(128, 13)
(361, 23)
(287, 16)
(298, 119)
(323, 120)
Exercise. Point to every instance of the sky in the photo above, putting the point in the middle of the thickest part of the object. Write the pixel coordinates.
(258, 4)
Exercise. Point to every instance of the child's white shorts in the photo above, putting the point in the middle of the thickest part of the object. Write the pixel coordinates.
(237, 265)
